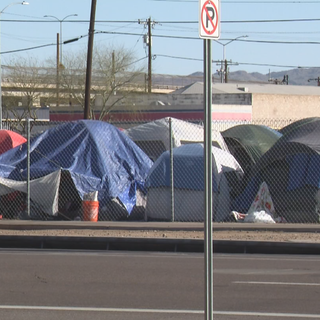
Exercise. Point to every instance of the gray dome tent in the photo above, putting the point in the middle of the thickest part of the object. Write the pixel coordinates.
(188, 178)
(154, 137)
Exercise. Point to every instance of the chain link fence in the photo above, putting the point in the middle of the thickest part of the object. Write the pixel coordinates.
(263, 171)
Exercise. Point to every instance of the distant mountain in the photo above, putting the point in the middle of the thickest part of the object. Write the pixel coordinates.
(298, 77)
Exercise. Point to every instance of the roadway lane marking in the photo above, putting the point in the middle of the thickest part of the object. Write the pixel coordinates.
(278, 283)
(265, 314)
(76, 309)
(222, 256)
(230, 313)
(169, 255)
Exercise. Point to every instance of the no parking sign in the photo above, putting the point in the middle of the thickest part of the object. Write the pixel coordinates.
(209, 20)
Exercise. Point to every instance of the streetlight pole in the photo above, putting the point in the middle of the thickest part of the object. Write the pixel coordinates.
(9, 5)
(224, 61)
(59, 44)
(60, 21)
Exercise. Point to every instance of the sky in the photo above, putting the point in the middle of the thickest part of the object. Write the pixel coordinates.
(272, 36)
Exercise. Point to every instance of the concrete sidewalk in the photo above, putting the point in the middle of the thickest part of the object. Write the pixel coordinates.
(21, 234)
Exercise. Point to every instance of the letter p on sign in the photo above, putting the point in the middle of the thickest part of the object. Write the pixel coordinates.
(209, 19)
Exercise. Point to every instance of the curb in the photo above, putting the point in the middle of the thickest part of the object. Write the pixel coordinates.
(101, 243)
(156, 245)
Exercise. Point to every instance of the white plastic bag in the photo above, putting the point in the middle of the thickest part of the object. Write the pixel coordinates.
(259, 217)
(262, 208)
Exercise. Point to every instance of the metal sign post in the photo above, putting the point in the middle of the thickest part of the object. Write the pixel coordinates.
(208, 182)
(209, 28)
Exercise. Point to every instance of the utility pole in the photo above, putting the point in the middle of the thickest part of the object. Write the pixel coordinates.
(317, 79)
(113, 70)
(225, 71)
(148, 42)
(149, 57)
(86, 114)
(58, 71)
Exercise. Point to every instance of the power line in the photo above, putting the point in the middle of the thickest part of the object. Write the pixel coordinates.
(251, 2)
(280, 42)
(197, 38)
(69, 21)
(133, 62)
(185, 58)
(175, 57)
(31, 48)
(273, 2)
(240, 63)
(251, 21)
(163, 22)
(272, 32)
(271, 20)
(170, 37)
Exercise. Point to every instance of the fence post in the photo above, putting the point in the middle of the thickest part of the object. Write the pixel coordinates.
(171, 170)
(28, 167)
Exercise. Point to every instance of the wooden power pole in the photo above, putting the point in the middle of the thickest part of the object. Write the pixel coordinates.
(148, 42)
(58, 71)
(86, 114)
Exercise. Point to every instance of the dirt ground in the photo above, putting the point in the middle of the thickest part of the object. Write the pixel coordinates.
(217, 235)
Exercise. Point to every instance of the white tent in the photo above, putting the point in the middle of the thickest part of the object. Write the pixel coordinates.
(188, 181)
(154, 137)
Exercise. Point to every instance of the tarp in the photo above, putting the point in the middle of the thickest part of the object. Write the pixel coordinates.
(188, 176)
(157, 133)
(10, 139)
(291, 168)
(248, 142)
(98, 156)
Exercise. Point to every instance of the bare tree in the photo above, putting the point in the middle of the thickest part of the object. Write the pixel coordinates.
(114, 77)
(73, 78)
(27, 80)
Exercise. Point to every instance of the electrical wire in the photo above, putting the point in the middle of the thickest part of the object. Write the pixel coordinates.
(251, 2)
(172, 22)
(239, 63)
(27, 49)
(197, 38)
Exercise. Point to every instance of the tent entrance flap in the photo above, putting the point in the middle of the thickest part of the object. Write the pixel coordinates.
(48, 185)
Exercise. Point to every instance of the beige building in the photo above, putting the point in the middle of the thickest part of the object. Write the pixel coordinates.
(231, 101)
(270, 101)
(250, 101)
(266, 101)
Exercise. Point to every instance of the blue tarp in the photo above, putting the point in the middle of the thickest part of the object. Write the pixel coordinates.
(98, 156)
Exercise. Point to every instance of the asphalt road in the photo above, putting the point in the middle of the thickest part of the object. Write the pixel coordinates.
(40, 284)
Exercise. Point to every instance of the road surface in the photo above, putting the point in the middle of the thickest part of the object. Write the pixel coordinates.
(43, 284)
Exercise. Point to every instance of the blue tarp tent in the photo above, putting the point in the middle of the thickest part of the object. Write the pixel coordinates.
(98, 156)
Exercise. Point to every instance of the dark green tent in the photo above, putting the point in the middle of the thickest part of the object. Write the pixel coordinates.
(248, 142)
